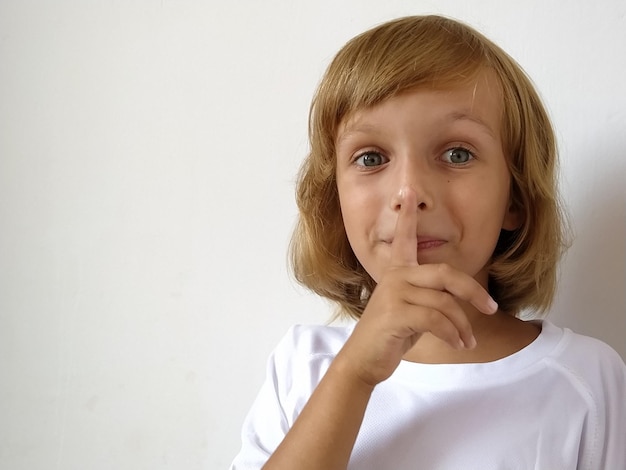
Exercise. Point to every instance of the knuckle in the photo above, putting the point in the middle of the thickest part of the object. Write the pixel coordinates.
(393, 274)
(433, 317)
(448, 302)
(444, 269)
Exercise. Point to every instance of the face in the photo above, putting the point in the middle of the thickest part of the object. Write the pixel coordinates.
(443, 144)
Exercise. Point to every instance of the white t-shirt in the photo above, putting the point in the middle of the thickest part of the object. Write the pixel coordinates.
(559, 403)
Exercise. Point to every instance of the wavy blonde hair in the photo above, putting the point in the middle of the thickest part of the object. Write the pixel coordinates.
(429, 51)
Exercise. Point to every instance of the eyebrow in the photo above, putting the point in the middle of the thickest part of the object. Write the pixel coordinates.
(349, 131)
(464, 116)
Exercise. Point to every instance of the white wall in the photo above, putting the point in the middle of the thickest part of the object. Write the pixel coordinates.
(147, 157)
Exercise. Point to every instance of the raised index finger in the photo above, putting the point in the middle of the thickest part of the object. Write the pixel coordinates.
(404, 244)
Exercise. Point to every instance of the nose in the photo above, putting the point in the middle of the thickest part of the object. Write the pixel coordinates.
(418, 181)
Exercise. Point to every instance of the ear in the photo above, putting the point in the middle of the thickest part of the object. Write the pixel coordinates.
(512, 219)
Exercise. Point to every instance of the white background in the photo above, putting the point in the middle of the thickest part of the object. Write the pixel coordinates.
(148, 151)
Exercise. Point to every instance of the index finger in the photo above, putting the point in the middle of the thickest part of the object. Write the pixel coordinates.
(404, 244)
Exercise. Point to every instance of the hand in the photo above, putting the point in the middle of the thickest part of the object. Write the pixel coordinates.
(408, 301)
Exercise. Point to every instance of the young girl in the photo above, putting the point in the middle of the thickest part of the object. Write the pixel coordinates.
(429, 213)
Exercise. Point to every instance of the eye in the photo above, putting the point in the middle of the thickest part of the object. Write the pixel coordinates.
(457, 156)
(370, 159)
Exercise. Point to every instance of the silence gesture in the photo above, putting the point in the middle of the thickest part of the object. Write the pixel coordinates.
(410, 300)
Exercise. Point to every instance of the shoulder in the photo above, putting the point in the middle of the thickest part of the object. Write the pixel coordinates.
(305, 352)
(589, 362)
(583, 350)
(293, 370)
(598, 375)
(312, 340)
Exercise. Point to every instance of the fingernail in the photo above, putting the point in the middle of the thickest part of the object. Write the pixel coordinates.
(492, 305)
(471, 344)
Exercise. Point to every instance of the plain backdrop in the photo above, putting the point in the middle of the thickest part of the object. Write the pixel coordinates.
(148, 152)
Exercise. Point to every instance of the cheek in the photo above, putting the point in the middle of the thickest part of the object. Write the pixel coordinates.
(353, 201)
(360, 211)
(354, 216)
(485, 210)
(348, 210)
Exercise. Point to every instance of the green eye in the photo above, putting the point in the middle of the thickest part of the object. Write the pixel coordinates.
(370, 159)
(458, 156)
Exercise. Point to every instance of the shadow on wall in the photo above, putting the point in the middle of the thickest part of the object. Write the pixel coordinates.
(592, 295)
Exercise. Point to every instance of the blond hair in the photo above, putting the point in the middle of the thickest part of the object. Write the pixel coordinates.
(429, 51)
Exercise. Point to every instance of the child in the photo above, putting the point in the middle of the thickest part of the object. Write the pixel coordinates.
(429, 213)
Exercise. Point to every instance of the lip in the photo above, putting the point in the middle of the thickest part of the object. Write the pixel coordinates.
(423, 242)
(428, 243)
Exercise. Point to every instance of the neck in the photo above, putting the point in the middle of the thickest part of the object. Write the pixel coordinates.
(498, 336)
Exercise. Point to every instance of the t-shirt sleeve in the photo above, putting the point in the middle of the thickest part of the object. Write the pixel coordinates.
(601, 377)
(266, 424)
(613, 445)
(293, 371)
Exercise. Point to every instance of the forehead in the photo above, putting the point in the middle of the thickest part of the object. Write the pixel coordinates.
(479, 100)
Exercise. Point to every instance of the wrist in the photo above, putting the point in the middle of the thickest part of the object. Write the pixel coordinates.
(344, 370)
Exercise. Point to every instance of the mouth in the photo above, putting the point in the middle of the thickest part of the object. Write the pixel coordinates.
(423, 242)
(428, 243)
